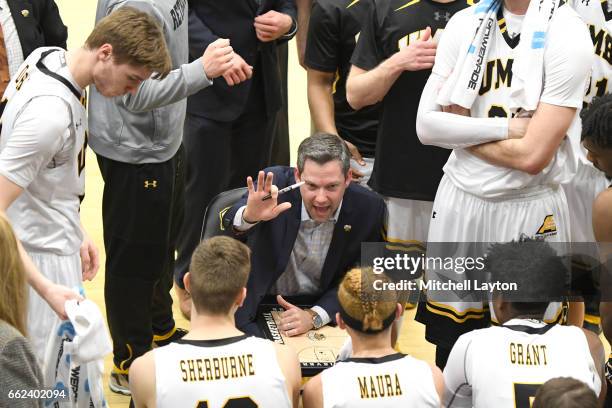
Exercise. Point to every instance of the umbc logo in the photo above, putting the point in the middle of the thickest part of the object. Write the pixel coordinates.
(548, 227)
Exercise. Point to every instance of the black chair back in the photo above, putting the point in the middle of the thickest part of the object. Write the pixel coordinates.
(213, 216)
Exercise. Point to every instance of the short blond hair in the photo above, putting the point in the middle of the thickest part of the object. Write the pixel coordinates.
(13, 290)
(136, 38)
(219, 270)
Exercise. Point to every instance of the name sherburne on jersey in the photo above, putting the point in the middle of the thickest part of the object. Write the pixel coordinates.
(217, 368)
(467, 284)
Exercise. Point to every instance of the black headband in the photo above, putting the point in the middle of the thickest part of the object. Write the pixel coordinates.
(358, 324)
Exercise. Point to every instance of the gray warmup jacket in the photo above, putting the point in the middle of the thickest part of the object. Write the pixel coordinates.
(148, 127)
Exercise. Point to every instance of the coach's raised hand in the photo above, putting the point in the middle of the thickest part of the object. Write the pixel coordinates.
(217, 58)
(418, 55)
(257, 209)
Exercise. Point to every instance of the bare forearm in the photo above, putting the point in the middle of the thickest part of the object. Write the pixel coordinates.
(321, 105)
(370, 87)
(303, 18)
(509, 153)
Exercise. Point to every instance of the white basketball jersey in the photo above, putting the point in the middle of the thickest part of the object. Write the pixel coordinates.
(478, 176)
(48, 166)
(237, 372)
(391, 381)
(598, 19)
(503, 366)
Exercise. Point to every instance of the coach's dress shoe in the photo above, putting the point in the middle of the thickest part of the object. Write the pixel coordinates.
(173, 335)
(119, 383)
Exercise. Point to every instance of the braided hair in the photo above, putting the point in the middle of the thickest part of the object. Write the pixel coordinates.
(363, 303)
(597, 122)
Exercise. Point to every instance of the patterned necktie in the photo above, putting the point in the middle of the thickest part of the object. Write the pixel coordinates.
(4, 69)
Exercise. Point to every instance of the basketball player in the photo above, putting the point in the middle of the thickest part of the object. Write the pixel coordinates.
(332, 35)
(375, 375)
(502, 179)
(503, 366)
(588, 182)
(390, 66)
(597, 140)
(216, 365)
(42, 150)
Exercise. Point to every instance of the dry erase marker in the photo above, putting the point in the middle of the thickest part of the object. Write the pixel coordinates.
(283, 190)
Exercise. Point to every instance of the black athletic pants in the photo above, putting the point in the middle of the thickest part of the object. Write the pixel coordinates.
(142, 209)
(281, 155)
(219, 157)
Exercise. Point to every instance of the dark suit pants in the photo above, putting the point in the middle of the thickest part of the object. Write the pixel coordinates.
(220, 156)
(142, 209)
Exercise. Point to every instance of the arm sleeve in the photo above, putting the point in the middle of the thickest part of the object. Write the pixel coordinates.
(322, 44)
(458, 392)
(450, 44)
(179, 84)
(52, 26)
(449, 130)
(567, 64)
(199, 33)
(39, 132)
(368, 54)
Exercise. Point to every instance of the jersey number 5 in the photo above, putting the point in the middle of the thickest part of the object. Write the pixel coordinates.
(524, 394)
(243, 402)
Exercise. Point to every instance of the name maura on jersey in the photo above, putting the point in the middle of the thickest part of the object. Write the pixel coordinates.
(379, 386)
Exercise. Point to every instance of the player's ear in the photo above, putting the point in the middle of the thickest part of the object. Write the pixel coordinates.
(296, 174)
(349, 177)
(340, 322)
(241, 296)
(187, 282)
(105, 52)
(399, 309)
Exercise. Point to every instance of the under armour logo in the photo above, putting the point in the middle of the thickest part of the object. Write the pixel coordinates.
(78, 124)
(586, 2)
(433, 215)
(152, 184)
(446, 16)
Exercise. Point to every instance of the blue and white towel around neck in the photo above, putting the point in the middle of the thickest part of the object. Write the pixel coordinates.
(462, 86)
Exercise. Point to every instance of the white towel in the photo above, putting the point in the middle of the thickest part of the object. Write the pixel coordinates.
(462, 87)
(74, 359)
(528, 68)
(91, 341)
(463, 84)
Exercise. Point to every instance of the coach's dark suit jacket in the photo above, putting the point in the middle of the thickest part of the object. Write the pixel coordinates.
(360, 220)
(38, 24)
(233, 19)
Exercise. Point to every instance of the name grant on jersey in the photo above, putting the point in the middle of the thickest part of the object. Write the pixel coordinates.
(528, 354)
(379, 386)
(217, 368)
